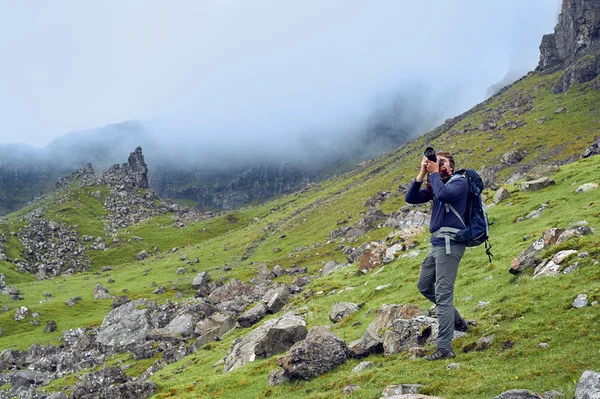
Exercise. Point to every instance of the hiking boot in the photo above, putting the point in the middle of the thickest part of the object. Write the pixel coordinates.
(440, 353)
(461, 325)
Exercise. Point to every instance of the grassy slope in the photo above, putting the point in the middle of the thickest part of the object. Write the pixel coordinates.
(522, 310)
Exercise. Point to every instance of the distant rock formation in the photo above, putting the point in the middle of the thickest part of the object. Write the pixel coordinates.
(576, 34)
(133, 174)
(574, 45)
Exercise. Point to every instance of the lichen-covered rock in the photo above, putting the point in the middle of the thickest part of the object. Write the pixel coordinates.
(100, 292)
(272, 337)
(538, 184)
(341, 310)
(214, 327)
(519, 394)
(588, 386)
(276, 298)
(142, 255)
(125, 326)
(320, 352)
(253, 316)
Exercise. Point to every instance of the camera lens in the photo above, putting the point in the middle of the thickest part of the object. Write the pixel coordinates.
(430, 154)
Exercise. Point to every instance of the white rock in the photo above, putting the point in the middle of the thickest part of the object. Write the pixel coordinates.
(581, 301)
(586, 187)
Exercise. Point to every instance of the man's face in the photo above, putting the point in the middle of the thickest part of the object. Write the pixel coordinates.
(444, 166)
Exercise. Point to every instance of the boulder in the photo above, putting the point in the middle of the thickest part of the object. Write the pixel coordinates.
(121, 300)
(519, 394)
(253, 316)
(372, 339)
(363, 366)
(21, 313)
(50, 326)
(531, 256)
(278, 271)
(341, 310)
(234, 296)
(277, 377)
(588, 386)
(390, 253)
(586, 187)
(580, 302)
(407, 217)
(391, 391)
(593, 149)
(372, 257)
(408, 333)
(125, 326)
(276, 298)
(214, 327)
(182, 325)
(100, 292)
(501, 195)
(202, 279)
(552, 267)
(320, 352)
(330, 267)
(540, 171)
(513, 157)
(538, 184)
(272, 337)
(142, 255)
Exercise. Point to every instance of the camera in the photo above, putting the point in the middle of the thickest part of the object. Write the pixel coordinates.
(430, 154)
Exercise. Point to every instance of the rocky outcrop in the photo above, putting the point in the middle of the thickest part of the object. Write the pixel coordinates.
(51, 248)
(575, 35)
(574, 45)
(84, 177)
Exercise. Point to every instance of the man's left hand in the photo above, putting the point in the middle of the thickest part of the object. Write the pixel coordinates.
(433, 167)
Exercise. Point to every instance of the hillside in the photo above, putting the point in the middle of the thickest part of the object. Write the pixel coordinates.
(291, 255)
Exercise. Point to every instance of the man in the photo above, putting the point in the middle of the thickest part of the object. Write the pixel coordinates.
(440, 266)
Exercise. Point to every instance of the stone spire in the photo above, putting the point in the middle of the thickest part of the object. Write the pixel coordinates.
(133, 174)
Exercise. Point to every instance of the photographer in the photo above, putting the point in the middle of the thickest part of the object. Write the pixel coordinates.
(440, 266)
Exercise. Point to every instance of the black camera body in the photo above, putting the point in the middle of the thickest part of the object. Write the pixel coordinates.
(430, 154)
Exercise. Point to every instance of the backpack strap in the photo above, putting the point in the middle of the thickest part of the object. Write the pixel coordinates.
(455, 212)
(448, 233)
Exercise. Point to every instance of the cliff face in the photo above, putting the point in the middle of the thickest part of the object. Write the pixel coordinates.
(229, 189)
(576, 34)
(574, 45)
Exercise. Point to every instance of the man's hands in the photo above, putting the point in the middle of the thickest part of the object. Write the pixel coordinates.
(427, 167)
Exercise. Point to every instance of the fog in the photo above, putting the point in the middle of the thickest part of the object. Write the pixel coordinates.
(222, 80)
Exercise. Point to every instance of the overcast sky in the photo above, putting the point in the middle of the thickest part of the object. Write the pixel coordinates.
(260, 67)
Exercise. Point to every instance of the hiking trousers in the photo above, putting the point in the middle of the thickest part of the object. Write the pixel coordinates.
(436, 283)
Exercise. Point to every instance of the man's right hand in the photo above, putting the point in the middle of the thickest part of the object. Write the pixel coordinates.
(423, 170)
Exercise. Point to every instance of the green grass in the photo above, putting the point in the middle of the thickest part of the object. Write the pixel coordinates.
(522, 312)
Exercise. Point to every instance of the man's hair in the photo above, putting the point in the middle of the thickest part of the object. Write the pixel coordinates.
(448, 156)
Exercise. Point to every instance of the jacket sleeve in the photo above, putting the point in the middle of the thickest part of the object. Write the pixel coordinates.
(416, 196)
(449, 192)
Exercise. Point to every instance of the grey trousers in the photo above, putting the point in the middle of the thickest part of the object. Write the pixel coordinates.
(436, 283)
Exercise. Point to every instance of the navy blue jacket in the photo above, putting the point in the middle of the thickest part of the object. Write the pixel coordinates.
(454, 192)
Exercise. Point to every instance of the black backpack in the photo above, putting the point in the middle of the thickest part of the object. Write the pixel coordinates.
(476, 230)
